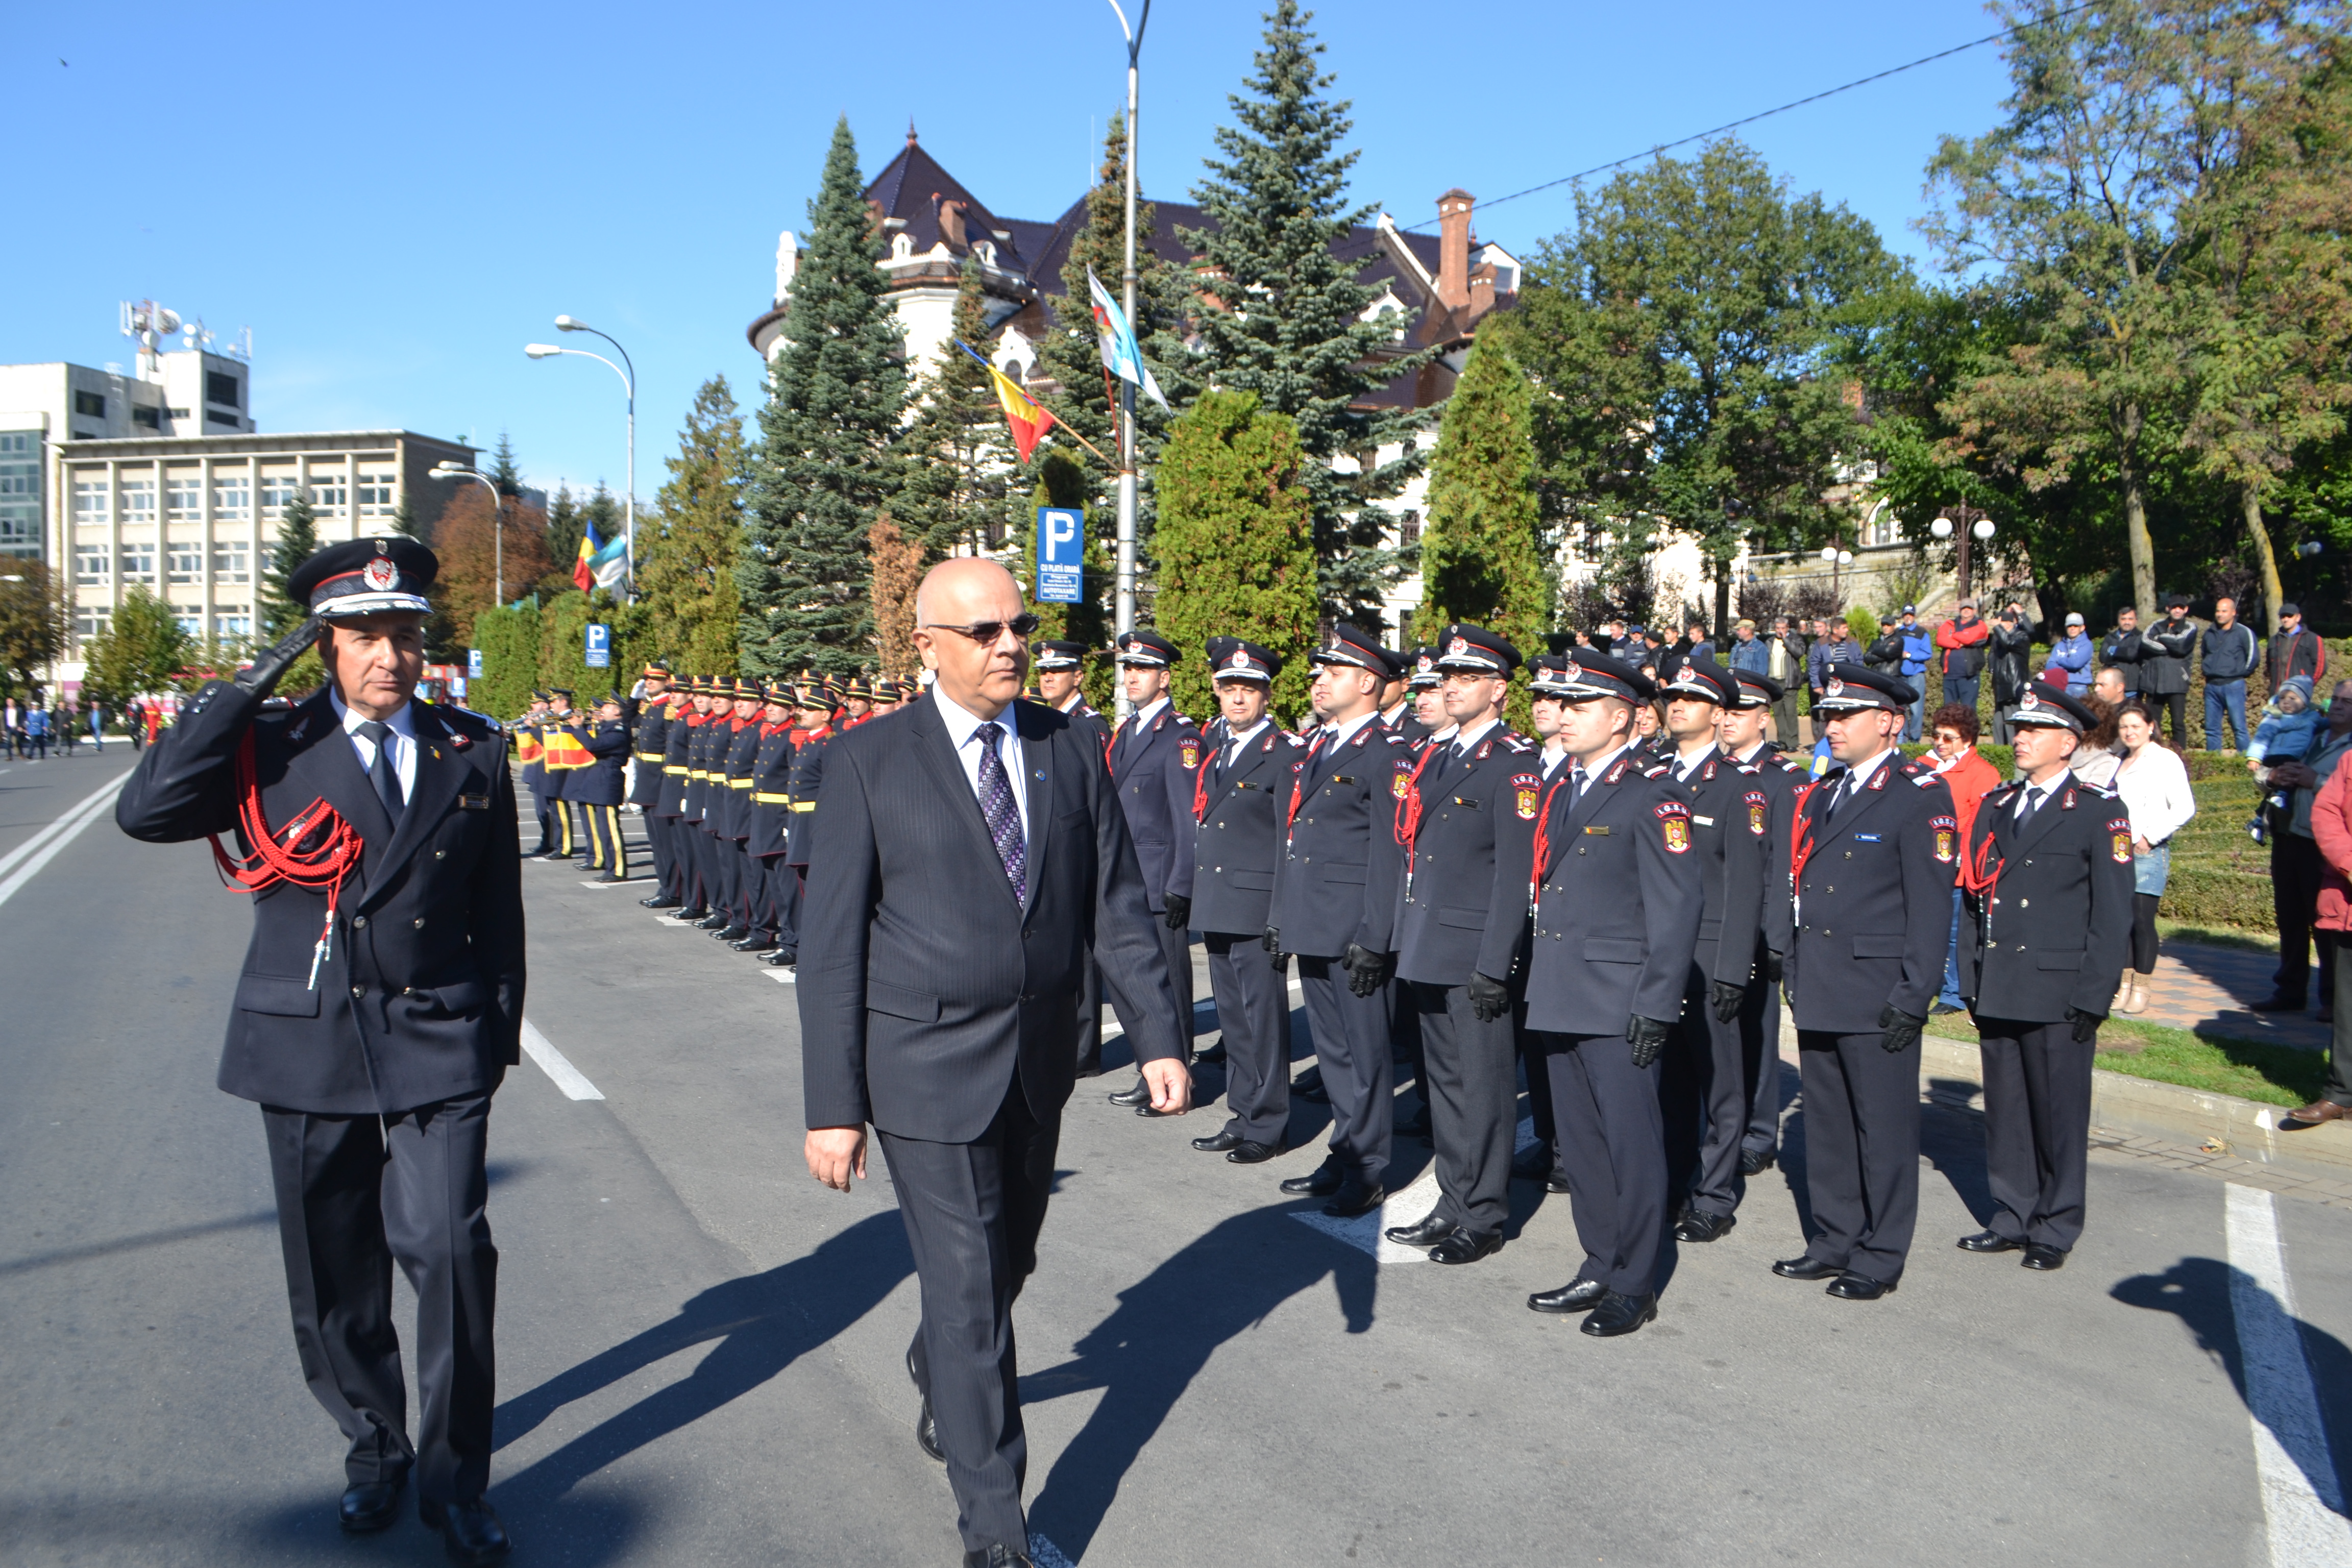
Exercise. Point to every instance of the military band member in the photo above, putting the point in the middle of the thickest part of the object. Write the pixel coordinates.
(1153, 756)
(531, 750)
(2049, 867)
(767, 816)
(596, 788)
(1742, 728)
(712, 710)
(1223, 885)
(1872, 862)
(559, 758)
(1467, 799)
(1339, 814)
(402, 905)
(650, 746)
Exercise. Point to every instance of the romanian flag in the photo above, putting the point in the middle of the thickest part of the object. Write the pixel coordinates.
(1023, 414)
(599, 564)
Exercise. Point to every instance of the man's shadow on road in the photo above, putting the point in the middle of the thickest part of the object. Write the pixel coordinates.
(1166, 1327)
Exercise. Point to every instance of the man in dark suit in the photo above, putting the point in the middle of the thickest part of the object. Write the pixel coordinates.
(1874, 848)
(967, 851)
(1224, 887)
(380, 1007)
(1153, 756)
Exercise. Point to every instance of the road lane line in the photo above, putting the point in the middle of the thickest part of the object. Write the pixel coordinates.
(2303, 1502)
(553, 1062)
(34, 842)
(63, 833)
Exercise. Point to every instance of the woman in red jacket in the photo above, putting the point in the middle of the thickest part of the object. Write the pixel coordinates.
(2331, 826)
(1969, 775)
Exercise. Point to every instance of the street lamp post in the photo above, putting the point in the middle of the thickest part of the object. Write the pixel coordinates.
(497, 525)
(1956, 520)
(1836, 559)
(629, 381)
(1124, 613)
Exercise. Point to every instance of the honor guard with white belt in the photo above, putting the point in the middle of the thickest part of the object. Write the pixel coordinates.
(649, 748)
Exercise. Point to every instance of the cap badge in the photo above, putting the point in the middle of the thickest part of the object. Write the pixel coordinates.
(380, 575)
(1459, 644)
(2030, 700)
(1573, 673)
(1240, 660)
(1834, 688)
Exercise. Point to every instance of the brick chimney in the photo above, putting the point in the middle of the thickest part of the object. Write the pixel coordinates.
(1454, 248)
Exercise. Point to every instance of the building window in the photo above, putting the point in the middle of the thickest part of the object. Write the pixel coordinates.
(138, 563)
(230, 563)
(147, 416)
(138, 501)
(91, 404)
(183, 561)
(192, 622)
(215, 417)
(1408, 530)
(90, 624)
(184, 499)
(233, 623)
(20, 493)
(19, 443)
(278, 492)
(89, 502)
(375, 492)
(1884, 528)
(232, 497)
(221, 388)
(89, 565)
(330, 493)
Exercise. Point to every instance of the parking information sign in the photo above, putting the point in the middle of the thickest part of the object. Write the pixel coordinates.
(1061, 551)
(474, 663)
(600, 647)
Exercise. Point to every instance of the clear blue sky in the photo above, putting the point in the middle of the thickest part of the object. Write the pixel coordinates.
(395, 201)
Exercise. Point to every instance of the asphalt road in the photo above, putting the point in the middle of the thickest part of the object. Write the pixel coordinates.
(700, 1348)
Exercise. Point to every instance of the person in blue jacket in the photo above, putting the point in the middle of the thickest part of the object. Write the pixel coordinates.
(2071, 653)
(1919, 652)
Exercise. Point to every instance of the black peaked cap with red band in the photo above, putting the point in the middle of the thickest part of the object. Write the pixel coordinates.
(365, 577)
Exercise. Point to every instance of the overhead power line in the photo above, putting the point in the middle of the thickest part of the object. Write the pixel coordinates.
(1783, 109)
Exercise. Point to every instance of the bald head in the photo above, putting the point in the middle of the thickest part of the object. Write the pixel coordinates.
(982, 675)
(967, 589)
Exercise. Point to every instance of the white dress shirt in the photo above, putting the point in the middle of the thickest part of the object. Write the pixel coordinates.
(403, 742)
(1858, 777)
(962, 734)
(1580, 777)
(1689, 762)
(1143, 715)
(1334, 739)
(1234, 743)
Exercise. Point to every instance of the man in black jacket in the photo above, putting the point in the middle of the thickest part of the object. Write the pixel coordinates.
(2228, 650)
(2165, 649)
(596, 789)
(2011, 648)
(379, 1009)
(2120, 649)
(967, 852)
(2296, 649)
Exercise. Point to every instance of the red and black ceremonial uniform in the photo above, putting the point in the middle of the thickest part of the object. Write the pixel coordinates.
(808, 778)
(681, 804)
(740, 875)
(650, 747)
(777, 901)
(2046, 928)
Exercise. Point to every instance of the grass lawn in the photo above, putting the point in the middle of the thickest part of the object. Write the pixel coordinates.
(2217, 936)
(2258, 1070)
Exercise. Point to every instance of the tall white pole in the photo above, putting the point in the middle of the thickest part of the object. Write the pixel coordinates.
(1124, 615)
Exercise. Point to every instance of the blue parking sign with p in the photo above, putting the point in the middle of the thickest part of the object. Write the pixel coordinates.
(599, 648)
(1061, 554)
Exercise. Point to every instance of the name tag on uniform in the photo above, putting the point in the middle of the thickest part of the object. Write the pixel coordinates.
(1343, 778)
(1459, 800)
(1865, 838)
(473, 803)
(1598, 832)
(1704, 821)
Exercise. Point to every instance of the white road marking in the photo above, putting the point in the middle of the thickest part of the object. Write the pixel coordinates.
(553, 1063)
(2301, 1501)
(44, 845)
(624, 882)
(663, 915)
(783, 977)
(1410, 1206)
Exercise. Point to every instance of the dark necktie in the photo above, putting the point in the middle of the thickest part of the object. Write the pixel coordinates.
(1846, 791)
(1003, 817)
(2029, 803)
(383, 776)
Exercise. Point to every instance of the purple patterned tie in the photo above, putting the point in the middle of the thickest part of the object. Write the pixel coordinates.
(1003, 818)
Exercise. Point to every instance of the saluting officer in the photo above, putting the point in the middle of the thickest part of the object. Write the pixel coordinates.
(1705, 1084)
(1153, 756)
(556, 764)
(1467, 798)
(375, 1075)
(596, 789)
(1340, 815)
(651, 746)
(1060, 665)
(1872, 862)
(1782, 778)
(1612, 880)
(1223, 885)
(2048, 873)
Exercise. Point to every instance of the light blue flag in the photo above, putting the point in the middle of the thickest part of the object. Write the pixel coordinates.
(1121, 355)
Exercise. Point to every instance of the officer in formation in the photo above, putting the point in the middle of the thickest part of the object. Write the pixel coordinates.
(1872, 862)
(1059, 665)
(1221, 885)
(705, 726)
(680, 891)
(776, 901)
(728, 817)
(2046, 930)
(649, 745)
(1782, 777)
(531, 750)
(820, 712)
(1153, 757)
(597, 786)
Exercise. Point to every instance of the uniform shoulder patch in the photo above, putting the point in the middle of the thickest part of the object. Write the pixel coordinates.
(1758, 810)
(1675, 820)
(2096, 792)
(1515, 741)
(2119, 840)
(1189, 748)
(1926, 780)
(1400, 778)
(1526, 790)
(1948, 837)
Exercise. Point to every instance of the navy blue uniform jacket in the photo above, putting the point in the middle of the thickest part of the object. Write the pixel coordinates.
(1228, 868)
(1154, 774)
(1471, 812)
(1344, 819)
(923, 979)
(2054, 930)
(1873, 903)
(651, 746)
(420, 999)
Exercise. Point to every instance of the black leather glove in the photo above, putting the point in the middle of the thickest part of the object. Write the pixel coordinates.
(1489, 999)
(1179, 912)
(1775, 967)
(1901, 1030)
(2086, 1024)
(267, 670)
(1647, 1037)
(1368, 971)
(1273, 939)
(1727, 999)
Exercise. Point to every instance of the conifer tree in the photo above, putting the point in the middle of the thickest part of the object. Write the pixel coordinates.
(1288, 325)
(564, 529)
(959, 457)
(1480, 560)
(505, 472)
(296, 542)
(691, 541)
(1236, 544)
(829, 457)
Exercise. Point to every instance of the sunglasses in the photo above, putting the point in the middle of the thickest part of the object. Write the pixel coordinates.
(987, 632)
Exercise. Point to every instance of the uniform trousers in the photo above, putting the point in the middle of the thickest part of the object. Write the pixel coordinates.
(1861, 1151)
(1467, 1071)
(1708, 1093)
(1613, 1146)
(722, 861)
(609, 850)
(688, 842)
(550, 835)
(658, 845)
(1533, 1061)
(972, 1212)
(1404, 1036)
(355, 1194)
(2037, 1101)
(1352, 1047)
(1760, 1047)
(1254, 1016)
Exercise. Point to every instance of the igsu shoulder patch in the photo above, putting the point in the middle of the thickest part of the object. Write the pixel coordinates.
(1400, 778)
(2119, 835)
(1189, 748)
(1948, 837)
(1673, 818)
(1525, 790)
(1758, 810)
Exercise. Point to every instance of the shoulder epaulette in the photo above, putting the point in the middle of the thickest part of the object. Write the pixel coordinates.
(1517, 743)
(1926, 780)
(484, 719)
(2097, 791)
(1658, 770)
(1294, 740)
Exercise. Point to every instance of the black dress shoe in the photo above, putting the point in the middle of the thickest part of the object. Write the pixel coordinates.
(714, 923)
(1250, 1151)
(470, 1530)
(1320, 1182)
(691, 914)
(1217, 1142)
(1356, 1199)
(1308, 1086)
(372, 1506)
(1576, 1296)
(782, 958)
(1697, 1224)
(1137, 1093)
(2041, 1255)
(1214, 1057)
(758, 942)
(732, 933)
(998, 1557)
(1555, 1182)
(1465, 1246)
(1989, 1241)
(1532, 1164)
(1806, 1268)
(610, 877)
(927, 1434)
(1754, 1160)
(1415, 1126)
(1428, 1232)
(2277, 1004)
(1618, 1314)
(1852, 1287)
(658, 902)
